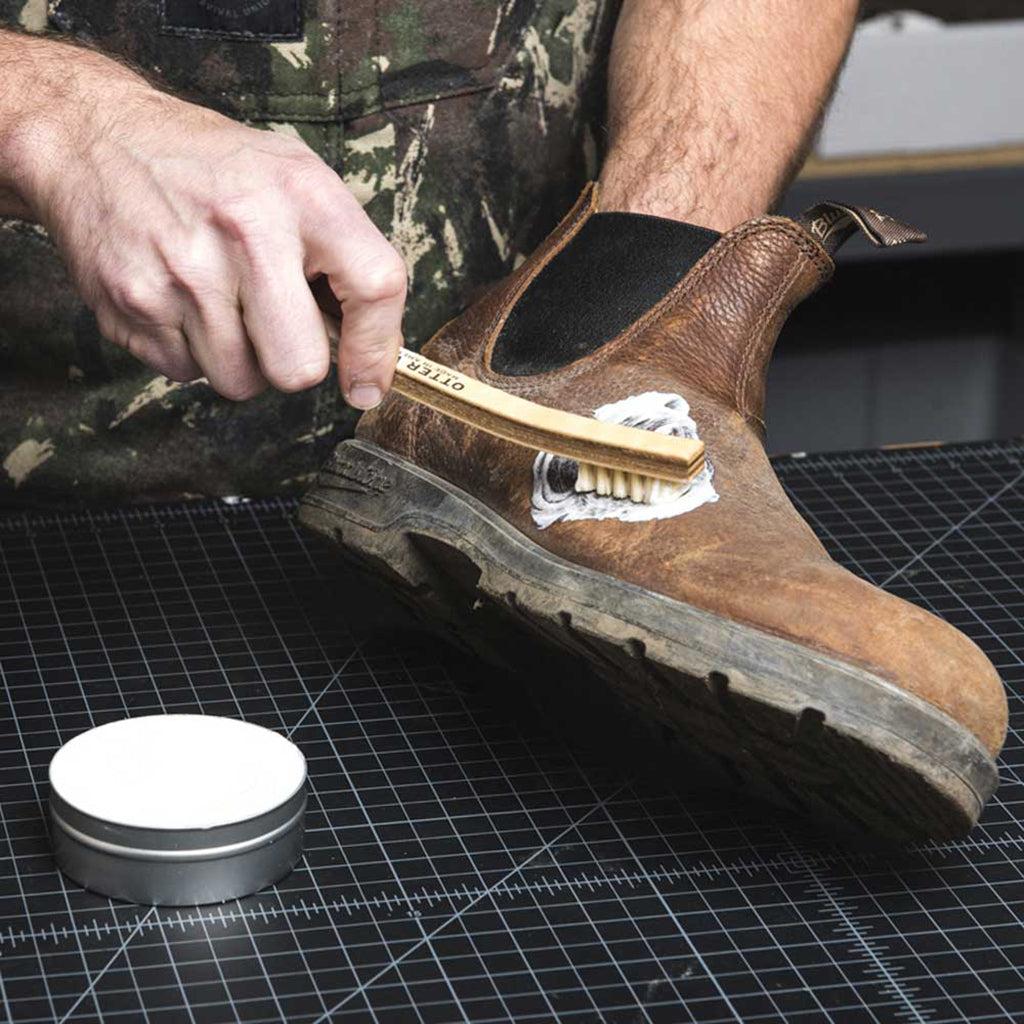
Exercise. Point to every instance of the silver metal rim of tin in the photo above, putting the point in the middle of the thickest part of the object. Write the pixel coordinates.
(174, 810)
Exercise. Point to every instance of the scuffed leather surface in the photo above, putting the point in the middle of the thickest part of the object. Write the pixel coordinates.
(748, 557)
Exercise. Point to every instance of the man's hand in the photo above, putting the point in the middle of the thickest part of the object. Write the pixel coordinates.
(193, 238)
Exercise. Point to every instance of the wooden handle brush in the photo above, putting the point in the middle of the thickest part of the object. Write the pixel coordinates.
(616, 460)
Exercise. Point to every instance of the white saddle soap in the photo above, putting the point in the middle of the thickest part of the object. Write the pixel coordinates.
(177, 810)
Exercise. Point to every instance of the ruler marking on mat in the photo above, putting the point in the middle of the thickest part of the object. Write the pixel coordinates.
(791, 864)
(878, 960)
(95, 978)
(362, 987)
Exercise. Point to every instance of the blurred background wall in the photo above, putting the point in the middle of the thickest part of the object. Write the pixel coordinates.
(923, 343)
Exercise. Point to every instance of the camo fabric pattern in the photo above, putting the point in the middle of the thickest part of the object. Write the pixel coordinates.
(465, 127)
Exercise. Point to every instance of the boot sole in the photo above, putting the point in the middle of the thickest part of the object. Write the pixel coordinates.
(776, 720)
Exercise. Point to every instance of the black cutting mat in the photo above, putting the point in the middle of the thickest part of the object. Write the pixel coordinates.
(462, 863)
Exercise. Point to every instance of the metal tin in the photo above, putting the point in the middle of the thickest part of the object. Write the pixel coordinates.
(181, 865)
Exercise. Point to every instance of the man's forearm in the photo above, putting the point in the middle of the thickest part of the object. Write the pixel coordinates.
(45, 94)
(712, 105)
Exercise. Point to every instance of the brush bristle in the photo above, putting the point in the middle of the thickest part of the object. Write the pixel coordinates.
(635, 487)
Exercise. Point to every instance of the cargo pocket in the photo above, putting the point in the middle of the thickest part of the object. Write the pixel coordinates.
(422, 52)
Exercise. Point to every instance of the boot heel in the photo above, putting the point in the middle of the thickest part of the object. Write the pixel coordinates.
(370, 508)
(357, 503)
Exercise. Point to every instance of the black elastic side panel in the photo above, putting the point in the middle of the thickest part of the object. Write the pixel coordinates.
(610, 274)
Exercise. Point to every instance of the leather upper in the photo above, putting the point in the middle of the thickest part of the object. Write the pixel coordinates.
(748, 557)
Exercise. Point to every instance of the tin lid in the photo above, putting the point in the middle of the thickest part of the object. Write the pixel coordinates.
(177, 772)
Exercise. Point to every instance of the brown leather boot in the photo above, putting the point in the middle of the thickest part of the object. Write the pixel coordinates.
(717, 614)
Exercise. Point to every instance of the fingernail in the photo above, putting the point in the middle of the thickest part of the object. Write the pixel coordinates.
(364, 396)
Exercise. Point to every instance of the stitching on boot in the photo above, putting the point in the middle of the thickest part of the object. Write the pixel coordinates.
(576, 218)
(744, 374)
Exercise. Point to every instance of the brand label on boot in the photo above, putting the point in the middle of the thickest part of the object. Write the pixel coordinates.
(556, 499)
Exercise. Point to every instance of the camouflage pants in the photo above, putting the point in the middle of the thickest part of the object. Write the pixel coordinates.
(465, 127)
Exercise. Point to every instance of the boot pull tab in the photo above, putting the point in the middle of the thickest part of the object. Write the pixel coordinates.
(831, 224)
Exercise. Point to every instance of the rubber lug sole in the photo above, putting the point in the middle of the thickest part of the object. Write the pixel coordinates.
(782, 723)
